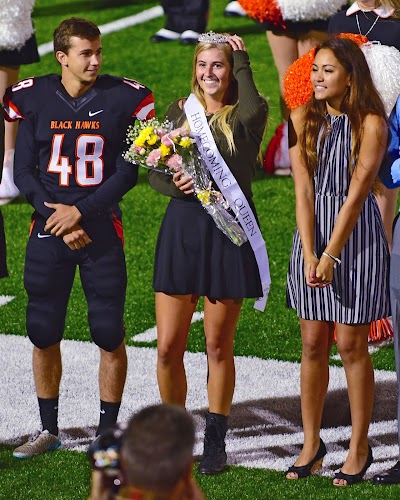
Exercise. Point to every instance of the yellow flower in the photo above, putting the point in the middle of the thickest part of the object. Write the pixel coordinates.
(204, 196)
(165, 150)
(185, 142)
(152, 139)
(147, 131)
(139, 141)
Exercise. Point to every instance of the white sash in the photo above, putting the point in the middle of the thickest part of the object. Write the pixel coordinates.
(229, 187)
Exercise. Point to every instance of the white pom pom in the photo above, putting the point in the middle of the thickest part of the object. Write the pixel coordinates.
(309, 10)
(384, 64)
(15, 23)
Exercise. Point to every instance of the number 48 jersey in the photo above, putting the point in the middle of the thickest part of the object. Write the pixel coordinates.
(69, 150)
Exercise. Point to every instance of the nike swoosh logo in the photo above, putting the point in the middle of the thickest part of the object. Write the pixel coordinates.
(40, 235)
(94, 113)
(102, 411)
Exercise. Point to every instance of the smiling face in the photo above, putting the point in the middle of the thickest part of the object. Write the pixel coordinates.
(213, 74)
(82, 63)
(329, 78)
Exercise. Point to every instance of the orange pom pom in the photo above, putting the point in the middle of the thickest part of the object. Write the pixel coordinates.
(358, 39)
(296, 82)
(264, 11)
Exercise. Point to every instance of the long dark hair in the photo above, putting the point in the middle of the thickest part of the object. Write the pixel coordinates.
(360, 100)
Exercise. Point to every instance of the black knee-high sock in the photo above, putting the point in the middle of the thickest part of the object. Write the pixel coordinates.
(48, 409)
(108, 416)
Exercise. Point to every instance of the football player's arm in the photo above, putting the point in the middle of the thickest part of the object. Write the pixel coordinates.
(125, 175)
(25, 168)
(112, 191)
(65, 217)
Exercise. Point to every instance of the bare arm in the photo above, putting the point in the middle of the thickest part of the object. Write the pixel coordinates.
(372, 151)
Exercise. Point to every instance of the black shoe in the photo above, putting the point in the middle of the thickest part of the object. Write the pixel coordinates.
(214, 455)
(355, 478)
(391, 476)
(303, 471)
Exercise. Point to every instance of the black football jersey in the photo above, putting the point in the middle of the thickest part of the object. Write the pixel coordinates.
(69, 150)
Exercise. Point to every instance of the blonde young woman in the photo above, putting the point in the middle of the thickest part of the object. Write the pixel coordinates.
(193, 257)
(338, 272)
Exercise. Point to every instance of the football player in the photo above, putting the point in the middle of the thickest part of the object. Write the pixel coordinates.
(69, 167)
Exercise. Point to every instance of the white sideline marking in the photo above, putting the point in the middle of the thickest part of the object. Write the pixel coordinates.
(119, 24)
(151, 334)
(264, 426)
(5, 299)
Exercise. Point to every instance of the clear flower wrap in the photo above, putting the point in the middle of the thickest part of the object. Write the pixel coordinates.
(158, 146)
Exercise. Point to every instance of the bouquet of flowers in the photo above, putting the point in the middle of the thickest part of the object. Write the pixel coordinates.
(158, 146)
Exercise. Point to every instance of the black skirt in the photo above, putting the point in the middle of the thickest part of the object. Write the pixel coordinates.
(28, 54)
(194, 257)
(3, 255)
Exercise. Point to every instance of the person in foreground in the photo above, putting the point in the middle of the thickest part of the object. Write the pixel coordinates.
(338, 271)
(68, 165)
(390, 176)
(193, 257)
(151, 459)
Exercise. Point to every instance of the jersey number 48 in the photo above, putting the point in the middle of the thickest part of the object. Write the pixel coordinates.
(89, 165)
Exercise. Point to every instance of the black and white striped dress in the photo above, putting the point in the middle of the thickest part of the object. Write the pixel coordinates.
(360, 289)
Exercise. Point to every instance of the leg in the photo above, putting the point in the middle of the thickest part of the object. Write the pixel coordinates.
(112, 373)
(103, 276)
(308, 40)
(387, 200)
(47, 369)
(174, 314)
(285, 52)
(220, 320)
(48, 281)
(314, 378)
(352, 343)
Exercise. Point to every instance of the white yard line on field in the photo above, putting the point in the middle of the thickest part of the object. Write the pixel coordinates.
(151, 334)
(119, 24)
(5, 299)
(265, 421)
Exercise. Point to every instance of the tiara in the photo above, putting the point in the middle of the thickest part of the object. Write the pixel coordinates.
(212, 37)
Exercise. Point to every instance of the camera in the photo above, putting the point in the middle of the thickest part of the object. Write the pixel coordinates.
(104, 454)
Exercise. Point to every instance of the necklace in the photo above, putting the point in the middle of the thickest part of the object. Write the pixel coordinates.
(333, 119)
(371, 28)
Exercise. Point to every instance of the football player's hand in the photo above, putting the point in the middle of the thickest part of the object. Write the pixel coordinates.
(65, 218)
(77, 238)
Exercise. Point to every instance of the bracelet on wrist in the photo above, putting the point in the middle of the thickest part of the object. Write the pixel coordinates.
(336, 259)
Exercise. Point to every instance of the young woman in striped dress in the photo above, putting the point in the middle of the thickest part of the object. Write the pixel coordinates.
(338, 272)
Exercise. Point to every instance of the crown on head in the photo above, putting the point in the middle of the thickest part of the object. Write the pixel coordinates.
(212, 37)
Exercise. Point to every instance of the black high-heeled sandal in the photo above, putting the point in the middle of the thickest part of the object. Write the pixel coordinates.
(303, 471)
(355, 478)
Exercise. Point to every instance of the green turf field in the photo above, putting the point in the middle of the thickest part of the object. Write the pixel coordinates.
(166, 69)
